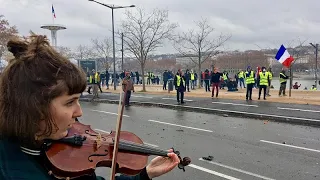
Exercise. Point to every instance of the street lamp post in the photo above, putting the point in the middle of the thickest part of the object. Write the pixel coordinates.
(316, 68)
(112, 7)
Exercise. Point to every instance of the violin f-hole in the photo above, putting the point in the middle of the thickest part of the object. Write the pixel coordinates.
(93, 155)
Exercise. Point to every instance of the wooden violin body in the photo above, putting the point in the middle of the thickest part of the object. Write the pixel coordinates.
(84, 149)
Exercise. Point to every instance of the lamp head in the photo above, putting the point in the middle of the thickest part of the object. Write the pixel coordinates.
(130, 6)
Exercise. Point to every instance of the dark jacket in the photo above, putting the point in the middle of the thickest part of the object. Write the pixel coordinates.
(15, 164)
(165, 76)
(215, 77)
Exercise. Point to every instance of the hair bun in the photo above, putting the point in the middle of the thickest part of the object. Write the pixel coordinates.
(17, 47)
(28, 47)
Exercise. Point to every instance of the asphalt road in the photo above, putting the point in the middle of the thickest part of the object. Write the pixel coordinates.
(242, 148)
(303, 112)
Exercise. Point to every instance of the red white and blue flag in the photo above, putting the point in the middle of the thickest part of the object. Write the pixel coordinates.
(284, 57)
(53, 13)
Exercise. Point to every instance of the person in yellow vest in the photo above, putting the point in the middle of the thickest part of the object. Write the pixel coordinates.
(179, 83)
(93, 78)
(263, 80)
(313, 88)
(241, 75)
(283, 82)
(250, 81)
(270, 79)
(193, 80)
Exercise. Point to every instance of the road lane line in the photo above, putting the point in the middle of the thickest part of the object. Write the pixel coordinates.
(149, 97)
(234, 104)
(108, 113)
(304, 110)
(287, 145)
(176, 99)
(236, 169)
(213, 172)
(224, 110)
(188, 127)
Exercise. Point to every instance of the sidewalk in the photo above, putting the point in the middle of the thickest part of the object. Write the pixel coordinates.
(297, 96)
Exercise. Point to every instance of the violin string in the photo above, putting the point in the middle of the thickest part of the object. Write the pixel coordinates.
(142, 148)
(139, 147)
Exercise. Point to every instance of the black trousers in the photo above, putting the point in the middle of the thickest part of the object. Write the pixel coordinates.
(207, 85)
(180, 94)
(164, 85)
(187, 85)
(127, 101)
(264, 87)
(282, 89)
(249, 91)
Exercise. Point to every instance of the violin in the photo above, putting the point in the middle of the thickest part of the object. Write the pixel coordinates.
(83, 149)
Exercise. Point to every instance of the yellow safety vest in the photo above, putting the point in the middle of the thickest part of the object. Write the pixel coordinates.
(241, 74)
(96, 78)
(224, 76)
(270, 75)
(263, 78)
(250, 79)
(179, 81)
(281, 79)
(192, 76)
(313, 89)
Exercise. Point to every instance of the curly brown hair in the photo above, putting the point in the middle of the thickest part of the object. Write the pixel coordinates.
(29, 83)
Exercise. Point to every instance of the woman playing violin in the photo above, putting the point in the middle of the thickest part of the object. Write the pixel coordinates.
(39, 100)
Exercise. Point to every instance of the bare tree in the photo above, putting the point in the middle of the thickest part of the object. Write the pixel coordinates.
(6, 32)
(65, 51)
(145, 32)
(199, 43)
(102, 49)
(83, 52)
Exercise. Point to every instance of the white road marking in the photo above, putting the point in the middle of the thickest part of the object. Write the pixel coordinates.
(287, 145)
(234, 104)
(149, 97)
(225, 110)
(176, 99)
(109, 113)
(304, 110)
(213, 172)
(188, 127)
(235, 169)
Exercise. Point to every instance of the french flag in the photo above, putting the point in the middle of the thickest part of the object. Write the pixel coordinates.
(284, 57)
(53, 13)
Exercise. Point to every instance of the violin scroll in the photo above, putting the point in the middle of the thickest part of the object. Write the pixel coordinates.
(183, 162)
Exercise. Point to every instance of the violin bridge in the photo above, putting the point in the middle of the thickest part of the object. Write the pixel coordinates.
(98, 141)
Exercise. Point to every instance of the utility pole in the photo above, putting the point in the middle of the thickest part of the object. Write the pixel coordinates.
(122, 51)
(316, 67)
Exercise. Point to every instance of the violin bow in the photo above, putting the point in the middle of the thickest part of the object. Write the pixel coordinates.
(118, 129)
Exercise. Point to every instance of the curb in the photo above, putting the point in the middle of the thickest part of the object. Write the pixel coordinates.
(271, 117)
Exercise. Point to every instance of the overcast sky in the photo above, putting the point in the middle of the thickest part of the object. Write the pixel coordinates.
(266, 23)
